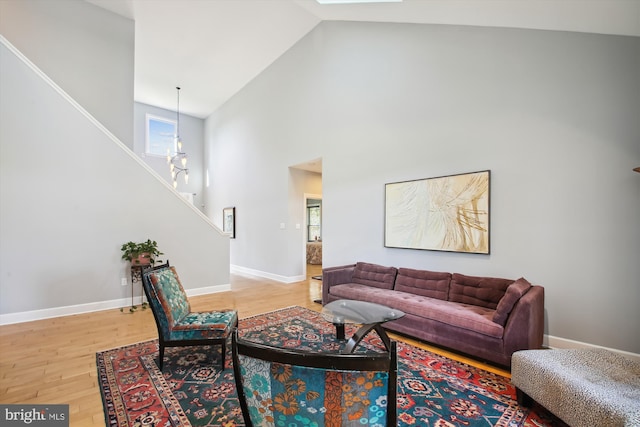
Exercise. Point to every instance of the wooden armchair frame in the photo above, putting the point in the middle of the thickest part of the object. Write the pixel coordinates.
(373, 367)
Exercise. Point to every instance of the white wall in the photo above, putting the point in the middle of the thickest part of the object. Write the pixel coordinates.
(71, 194)
(86, 50)
(192, 135)
(553, 115)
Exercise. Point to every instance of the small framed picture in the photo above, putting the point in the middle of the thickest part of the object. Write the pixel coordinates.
(229, 222)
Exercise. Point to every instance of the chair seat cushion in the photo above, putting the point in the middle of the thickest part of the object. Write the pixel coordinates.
(204, 325)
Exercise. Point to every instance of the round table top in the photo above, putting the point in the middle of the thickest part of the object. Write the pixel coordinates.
(360, 312)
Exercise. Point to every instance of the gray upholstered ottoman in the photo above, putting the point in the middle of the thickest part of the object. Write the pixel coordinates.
(583, 387)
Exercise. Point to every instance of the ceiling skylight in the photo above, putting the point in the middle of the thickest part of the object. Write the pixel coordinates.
(356, 1)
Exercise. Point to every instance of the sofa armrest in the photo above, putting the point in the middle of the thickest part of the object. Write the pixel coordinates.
(524, 328)
(335, 276)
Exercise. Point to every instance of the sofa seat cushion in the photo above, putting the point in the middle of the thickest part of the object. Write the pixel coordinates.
(374, 275)
(423, 282)
(478, 319)
(464, 316)
(356, 291)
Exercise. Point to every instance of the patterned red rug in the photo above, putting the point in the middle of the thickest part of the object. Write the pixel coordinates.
(432, 390)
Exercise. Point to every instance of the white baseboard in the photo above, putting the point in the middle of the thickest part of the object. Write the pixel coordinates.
(207, 290)
(557, 342)
(48, 313)
(278, 278)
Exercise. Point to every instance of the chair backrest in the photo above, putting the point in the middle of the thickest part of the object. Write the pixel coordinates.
(166, 296)
(279, 386)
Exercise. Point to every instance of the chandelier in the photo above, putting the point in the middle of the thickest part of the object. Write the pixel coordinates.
(178, 161)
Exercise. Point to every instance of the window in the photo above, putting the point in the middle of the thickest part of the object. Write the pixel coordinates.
(160, 139)
(314, 221)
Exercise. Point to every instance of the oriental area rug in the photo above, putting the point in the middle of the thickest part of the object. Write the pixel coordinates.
(433, 390)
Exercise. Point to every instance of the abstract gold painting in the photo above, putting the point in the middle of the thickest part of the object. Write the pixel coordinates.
(447, 213)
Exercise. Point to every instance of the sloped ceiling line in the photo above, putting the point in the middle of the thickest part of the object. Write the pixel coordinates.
(213, 48)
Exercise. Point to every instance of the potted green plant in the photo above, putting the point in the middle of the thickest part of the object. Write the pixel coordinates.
(143, 253)
(139, 255)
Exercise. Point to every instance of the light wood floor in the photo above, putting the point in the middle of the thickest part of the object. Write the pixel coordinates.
(54, 361)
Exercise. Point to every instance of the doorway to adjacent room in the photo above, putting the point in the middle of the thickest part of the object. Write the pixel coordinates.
(313, 235)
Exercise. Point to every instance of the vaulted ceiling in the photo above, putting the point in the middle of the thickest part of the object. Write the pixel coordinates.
(213, 48)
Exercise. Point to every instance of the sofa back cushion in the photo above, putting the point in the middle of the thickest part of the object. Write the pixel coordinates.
(481, 291)
(514, 292)
(423, 282)
(374, 275)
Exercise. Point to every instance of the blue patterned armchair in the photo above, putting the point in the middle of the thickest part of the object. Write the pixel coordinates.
(287, 387)
(177, 325)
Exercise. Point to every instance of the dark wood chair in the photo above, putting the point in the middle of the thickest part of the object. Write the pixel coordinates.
(279, 386)
(178, 326)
